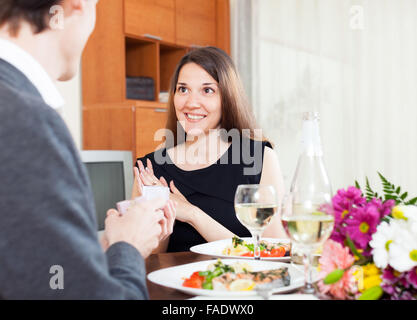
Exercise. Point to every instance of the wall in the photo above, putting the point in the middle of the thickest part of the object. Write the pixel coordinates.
(71, 112)
(354, 62)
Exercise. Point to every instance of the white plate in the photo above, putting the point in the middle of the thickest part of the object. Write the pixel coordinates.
(173, 277)
(293, 296)
(215, 249)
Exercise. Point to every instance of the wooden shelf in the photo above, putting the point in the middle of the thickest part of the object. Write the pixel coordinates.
(128, 104)
(142, 60)
(153, 59)
(169, 56)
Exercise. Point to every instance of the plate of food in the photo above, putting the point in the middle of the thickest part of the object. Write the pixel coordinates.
(271, 249)
(229, 277)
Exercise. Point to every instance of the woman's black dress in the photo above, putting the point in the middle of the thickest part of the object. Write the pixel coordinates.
(212, 189)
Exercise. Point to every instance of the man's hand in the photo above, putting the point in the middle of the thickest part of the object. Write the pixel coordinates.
(141, 226)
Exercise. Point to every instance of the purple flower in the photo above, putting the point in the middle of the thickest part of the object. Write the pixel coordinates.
(343, 203)
(362, 224)
(400, 286)
(345, 200)
(411, 277)
(402, 295)
(388, 275)
(384, 208)
(338, 236)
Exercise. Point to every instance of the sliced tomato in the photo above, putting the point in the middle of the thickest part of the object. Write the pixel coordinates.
(274, 253)
(247, 254)
(278, 252)
(194, 281)
(265, 253)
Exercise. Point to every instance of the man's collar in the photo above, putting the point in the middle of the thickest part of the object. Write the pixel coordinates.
(33, 70)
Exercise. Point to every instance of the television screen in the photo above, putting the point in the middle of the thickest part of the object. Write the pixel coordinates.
(107, 182)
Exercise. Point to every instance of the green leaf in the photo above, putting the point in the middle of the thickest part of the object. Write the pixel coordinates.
(404, 195)
(412, 201)
(207, 285)
(373, 293)
(357, 185)
(352, 247)
(385, 182)
(334, 276)
(369, 192)
(386, 219)
(398, 190)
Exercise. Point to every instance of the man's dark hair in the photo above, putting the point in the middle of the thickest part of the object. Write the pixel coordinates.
(35, 12)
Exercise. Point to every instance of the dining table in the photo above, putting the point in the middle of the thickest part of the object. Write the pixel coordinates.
(164, 260)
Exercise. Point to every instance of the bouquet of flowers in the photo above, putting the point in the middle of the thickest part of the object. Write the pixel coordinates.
(372, 252)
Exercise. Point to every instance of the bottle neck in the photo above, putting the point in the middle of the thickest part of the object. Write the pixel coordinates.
(311, 143)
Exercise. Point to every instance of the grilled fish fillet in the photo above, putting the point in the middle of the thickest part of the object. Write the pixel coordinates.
(259, 277)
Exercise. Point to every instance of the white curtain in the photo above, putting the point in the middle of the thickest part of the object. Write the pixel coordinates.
(353, 61)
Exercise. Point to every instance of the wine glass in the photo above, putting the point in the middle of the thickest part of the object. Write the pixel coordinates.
(308, 225)
(255, 206)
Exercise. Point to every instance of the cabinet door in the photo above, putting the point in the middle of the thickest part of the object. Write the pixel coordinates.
(151, 17)
(148, 122)
(103, 62)
(108, 128)
(196, 22)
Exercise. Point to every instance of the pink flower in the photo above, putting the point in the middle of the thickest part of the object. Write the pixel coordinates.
(335, 256)
(362, 225)
(412, 277)
(400, 286)
(343, 203)
(345, 200)
(384, 208)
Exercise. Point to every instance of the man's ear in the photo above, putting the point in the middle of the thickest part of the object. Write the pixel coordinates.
(74, 6)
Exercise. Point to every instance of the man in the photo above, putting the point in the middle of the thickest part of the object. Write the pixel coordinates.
(48, 240)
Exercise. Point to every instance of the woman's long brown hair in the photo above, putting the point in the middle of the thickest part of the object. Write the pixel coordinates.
(235, 109)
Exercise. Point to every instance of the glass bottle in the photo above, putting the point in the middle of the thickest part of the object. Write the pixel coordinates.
(306, 217)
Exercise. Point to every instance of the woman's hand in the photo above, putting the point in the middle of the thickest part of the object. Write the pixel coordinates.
(185, 210)
(145, 177)
(167, 224)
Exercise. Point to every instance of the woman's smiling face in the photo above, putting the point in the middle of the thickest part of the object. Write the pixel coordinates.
(197, 100)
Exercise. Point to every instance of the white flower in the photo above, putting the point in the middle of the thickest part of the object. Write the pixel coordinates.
(402, 255)
(381, 241)
(408, 213)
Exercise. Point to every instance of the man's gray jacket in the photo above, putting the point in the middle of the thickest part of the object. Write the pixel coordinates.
(48, 229)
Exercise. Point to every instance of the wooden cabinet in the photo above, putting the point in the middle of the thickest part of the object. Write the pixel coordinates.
(196, 22)
(150, 128)
(103, 61)
(108, 127)
(141, 38)
(137, 127)
(153, 18)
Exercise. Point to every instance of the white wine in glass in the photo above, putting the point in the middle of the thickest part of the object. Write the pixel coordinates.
(255, 205)
(308, 229)
(255, 216)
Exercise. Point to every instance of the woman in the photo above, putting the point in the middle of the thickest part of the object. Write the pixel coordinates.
(201, 164)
